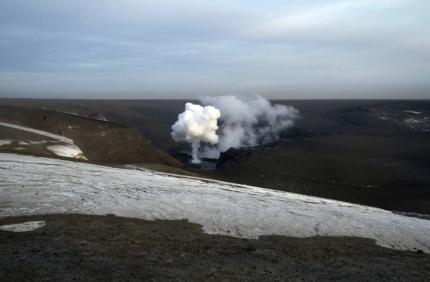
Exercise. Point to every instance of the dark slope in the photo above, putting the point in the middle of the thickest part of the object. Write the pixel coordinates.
(101, 142)
(152, 118)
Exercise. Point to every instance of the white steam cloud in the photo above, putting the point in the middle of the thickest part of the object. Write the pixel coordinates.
(197, 124)
(244, 122)
(248, 121)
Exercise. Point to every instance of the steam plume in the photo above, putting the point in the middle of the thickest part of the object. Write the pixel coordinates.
(248, 121)
(244, 122)
(195, 125)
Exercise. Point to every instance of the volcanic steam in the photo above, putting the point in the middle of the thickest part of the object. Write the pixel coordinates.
(244, 122)
(197, 124)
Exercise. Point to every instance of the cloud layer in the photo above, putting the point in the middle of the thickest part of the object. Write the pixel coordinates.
(281, 49)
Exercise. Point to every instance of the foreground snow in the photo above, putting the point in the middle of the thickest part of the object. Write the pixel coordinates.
(31, 185)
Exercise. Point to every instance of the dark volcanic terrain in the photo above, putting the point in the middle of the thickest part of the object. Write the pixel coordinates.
(373, 155)
(110, 248)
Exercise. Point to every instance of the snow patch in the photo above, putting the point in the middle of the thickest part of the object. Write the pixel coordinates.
(23, 227)
(67, 151)
(5, 142)
(413, 112)
(38, 142)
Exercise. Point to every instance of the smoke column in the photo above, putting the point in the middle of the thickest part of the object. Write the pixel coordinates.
(195, 125)
(248, 121)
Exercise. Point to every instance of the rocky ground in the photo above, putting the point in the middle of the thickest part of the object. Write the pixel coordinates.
(90, 248)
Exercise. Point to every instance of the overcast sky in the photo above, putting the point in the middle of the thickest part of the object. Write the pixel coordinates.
(178, 49)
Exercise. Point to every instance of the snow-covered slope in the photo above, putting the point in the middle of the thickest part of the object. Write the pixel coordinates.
(31, 185)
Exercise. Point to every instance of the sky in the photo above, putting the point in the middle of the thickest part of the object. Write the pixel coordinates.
(186, 49)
